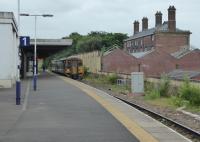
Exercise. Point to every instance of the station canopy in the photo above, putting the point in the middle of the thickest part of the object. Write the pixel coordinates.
(47, 47)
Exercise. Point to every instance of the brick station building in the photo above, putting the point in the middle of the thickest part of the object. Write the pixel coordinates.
(163, 36)
(154, 51)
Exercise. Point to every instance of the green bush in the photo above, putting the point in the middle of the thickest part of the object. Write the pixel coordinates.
(86, 71)
(184, 90)
(164, 86)
(112, 79)
(153, 94)
(190, 93)
(177, 101)
(194, 96)
(148, 86)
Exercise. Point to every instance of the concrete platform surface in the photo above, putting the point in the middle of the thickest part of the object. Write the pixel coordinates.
(9, 112)
(145, 128)
(61, 112)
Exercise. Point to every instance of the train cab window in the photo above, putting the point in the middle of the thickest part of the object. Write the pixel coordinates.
(80, 63)
(68, 65)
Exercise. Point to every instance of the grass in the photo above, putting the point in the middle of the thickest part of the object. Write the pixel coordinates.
(193, 109)
(161, 94)
(108, 82)
(162, 102)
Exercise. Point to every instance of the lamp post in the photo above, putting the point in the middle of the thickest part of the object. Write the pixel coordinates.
(35, 47)
(18, 83)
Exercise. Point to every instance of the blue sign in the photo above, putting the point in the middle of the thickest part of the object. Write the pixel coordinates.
(24, 41)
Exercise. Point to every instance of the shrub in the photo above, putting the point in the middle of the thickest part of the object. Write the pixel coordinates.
(148, 86)
(86, 71)
(184, 90)
(164, 86)
(194, 97)
(177, 101)
(190, 93)
(112, 79)
(153, 94)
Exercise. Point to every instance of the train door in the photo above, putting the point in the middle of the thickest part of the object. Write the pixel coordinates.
(74, 69)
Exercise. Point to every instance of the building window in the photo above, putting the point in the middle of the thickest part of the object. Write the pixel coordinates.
(136, 43)
(130, 51)
(129, 43)
(132, 43)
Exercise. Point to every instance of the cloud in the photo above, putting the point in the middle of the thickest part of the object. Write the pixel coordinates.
(103, 15)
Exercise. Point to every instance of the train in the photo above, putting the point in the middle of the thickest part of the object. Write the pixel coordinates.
(71, 67)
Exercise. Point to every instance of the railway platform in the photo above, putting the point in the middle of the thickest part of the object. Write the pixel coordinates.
(63, 110)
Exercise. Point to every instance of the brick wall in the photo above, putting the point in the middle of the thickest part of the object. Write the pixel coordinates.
(157, 63)
(171, 42)
(153, 64)
(190, 61)
(139, 44)
(119, 61)
(148, 41)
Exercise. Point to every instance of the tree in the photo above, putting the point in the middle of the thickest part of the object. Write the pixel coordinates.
(88, 44)
(95, 40)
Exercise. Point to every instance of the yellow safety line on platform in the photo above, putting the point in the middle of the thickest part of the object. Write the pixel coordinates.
(130, 124)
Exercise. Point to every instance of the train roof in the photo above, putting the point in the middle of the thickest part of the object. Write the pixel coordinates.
(68, 58)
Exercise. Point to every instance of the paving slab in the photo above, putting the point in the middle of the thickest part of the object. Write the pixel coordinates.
(61, 112)
(9, 111)
(156, 129)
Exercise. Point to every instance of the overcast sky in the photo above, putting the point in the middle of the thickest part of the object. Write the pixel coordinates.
(83, 16)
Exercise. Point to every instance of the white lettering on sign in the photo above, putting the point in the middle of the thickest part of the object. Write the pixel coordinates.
(25, 41)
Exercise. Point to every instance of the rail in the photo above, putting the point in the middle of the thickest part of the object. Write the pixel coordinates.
(186, 131)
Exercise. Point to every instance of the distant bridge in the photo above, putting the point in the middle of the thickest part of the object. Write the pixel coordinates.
(45, 48)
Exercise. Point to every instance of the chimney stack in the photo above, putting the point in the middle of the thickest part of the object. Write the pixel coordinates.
(158, 18)
(172, 19)
(144, 23)
(136, 27)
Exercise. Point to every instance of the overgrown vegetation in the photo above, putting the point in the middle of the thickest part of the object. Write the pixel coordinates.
(112, 79)
(161, 89)
(186, 95)
(86, 43)
(162, 93)
(109, 82)
(189, 93)
(164, 86)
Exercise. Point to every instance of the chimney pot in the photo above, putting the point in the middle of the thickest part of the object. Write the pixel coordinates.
(172, 19)
(158, 18)
(136, 27)
(144, 23)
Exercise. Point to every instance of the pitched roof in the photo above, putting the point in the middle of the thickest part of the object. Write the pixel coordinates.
(181, 74)
(141, 54)
(142, 34)
(162, 28)
(182, 52)
(157, 63)
(190, 51)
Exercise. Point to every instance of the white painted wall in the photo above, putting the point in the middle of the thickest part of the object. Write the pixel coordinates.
(8, 51)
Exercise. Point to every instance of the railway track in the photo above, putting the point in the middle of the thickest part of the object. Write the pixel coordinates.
(184, 130)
